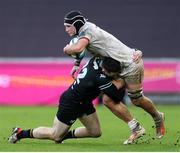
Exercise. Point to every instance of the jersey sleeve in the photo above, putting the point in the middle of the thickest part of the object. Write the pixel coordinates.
(108, 88)
(85, 34)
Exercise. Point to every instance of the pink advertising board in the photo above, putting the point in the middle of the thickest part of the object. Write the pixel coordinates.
(42, 84)
(30, 84)
(162, 77)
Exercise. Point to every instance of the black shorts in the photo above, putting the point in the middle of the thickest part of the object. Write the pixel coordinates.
(69, 110)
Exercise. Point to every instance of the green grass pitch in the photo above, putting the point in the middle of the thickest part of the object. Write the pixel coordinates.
(114, 131)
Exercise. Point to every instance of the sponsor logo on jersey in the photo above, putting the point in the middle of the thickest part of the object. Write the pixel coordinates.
(102, 76)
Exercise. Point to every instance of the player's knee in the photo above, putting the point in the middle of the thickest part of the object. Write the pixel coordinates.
(55, 136)
(96, 133)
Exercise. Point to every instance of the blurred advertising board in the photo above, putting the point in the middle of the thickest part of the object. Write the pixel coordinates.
(43, 83)
(162, 77)
(30, 84)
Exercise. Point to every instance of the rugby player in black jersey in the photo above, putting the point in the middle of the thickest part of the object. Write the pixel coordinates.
(76, 103)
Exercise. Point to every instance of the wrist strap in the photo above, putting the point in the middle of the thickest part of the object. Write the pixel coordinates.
(77, 62)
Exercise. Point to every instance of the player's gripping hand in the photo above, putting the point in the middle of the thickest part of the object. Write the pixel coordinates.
(74, 70)
(137, 56)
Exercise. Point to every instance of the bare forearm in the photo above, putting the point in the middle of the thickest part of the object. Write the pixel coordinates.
(72, 49)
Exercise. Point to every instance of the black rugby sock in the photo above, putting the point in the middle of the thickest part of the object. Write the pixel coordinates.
(25, 134)
(69, 135)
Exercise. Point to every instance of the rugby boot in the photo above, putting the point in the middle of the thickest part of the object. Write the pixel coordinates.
(138, 132)
(160, 127)
(13, 138)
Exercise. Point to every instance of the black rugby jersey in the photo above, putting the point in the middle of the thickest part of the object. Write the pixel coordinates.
(90, 82)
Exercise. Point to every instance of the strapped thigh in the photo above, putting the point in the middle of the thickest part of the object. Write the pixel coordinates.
(135, 94)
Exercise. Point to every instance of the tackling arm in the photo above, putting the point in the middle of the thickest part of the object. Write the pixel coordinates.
(75, 68)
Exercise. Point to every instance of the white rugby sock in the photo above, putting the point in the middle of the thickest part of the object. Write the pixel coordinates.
(133, 124)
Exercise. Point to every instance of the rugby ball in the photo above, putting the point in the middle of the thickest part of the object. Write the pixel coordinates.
(80, 55)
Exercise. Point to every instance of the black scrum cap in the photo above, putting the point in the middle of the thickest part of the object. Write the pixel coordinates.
(75, 18)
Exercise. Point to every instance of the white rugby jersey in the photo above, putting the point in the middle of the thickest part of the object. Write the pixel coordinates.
(102, 43)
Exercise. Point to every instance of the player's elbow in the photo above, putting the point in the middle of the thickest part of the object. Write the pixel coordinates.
(108, 102)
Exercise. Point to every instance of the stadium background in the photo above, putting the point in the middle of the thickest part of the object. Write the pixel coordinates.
(32, 36)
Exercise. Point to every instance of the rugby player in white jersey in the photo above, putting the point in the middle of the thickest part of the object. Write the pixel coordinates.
(101, 43)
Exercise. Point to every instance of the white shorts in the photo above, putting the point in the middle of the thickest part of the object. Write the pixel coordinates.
(134, 73)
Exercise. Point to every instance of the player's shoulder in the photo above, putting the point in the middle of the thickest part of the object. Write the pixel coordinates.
(88, 27)
(102, 77)
(102, 81)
